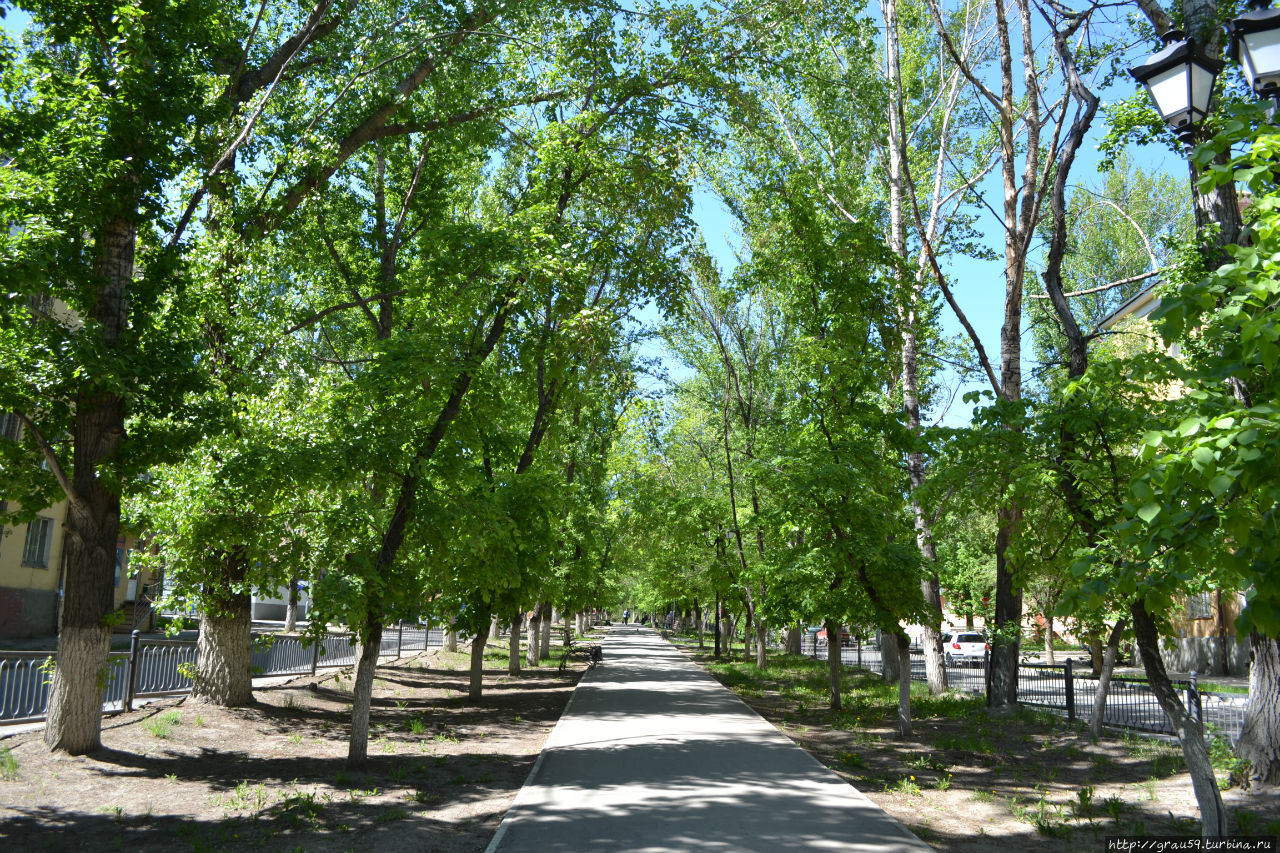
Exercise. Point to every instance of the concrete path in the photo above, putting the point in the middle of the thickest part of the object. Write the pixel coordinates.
(652, 754)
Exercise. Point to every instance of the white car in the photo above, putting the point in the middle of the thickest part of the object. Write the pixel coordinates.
(964, 646)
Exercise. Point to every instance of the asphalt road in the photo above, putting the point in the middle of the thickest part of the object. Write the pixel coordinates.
(653, 754)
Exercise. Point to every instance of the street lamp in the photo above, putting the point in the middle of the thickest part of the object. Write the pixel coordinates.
(1180, 81)
(1255, 44)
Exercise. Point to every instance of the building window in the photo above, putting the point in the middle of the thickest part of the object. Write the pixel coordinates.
(1200, 605)
(39, 543)
(10, 426)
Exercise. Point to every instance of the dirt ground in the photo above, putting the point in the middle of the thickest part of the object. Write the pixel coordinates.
(973, 781)
(179, 776)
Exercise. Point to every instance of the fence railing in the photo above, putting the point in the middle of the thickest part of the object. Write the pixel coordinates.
(154, 667)
(1064, 689)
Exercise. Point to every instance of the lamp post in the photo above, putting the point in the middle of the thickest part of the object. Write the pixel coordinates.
(1255, 44)
(1180, 81)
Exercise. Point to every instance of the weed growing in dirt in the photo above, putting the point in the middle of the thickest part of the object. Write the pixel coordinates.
(8, 765)
(1082, 806)
(417, 726)
(199, 720)
(294, 738)
(907, 787)
(162, 726)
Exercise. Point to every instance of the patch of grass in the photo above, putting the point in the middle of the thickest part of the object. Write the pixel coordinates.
(417, 726)
(8, 765)
(294, 738)
(162, 726)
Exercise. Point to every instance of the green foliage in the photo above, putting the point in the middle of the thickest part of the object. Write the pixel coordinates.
(1206, 505)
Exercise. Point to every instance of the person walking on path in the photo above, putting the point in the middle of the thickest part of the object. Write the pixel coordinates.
(652, 754)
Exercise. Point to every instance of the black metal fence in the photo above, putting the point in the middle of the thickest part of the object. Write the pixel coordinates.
(163, 667)
(1066, 690)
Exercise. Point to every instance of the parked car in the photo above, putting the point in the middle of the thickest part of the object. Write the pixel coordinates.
(845, 640)
(964, 646)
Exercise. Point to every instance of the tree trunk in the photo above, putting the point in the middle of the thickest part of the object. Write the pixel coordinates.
(697, 618)
(793, 640)
(833, 664)
(495, 628)
(888, 660)
(904, 685)
(291, 610)
(535, 636)
(224, 674)
(476, 687)
(74, 721)
(544, 630)
(746, 636)
(761, 646)
(935, 669)
(1096, 656)
(368, 644)
(1048, 639)
(1260, 739)
(1213, 817)
(1104, 681)
(717, 624)
(451, 639)
(513, 654)
(1007, 638)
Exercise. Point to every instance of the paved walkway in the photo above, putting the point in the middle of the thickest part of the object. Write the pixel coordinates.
(652, 754)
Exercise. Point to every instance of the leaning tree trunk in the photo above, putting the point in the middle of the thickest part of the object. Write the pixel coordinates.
(513, 654)
(476, 688)
(368, 644)
(1213, 817)
(833, 664)
(1260, 739)
(224, 665)
(74, 718)
(1104, 681)
(904, 684)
